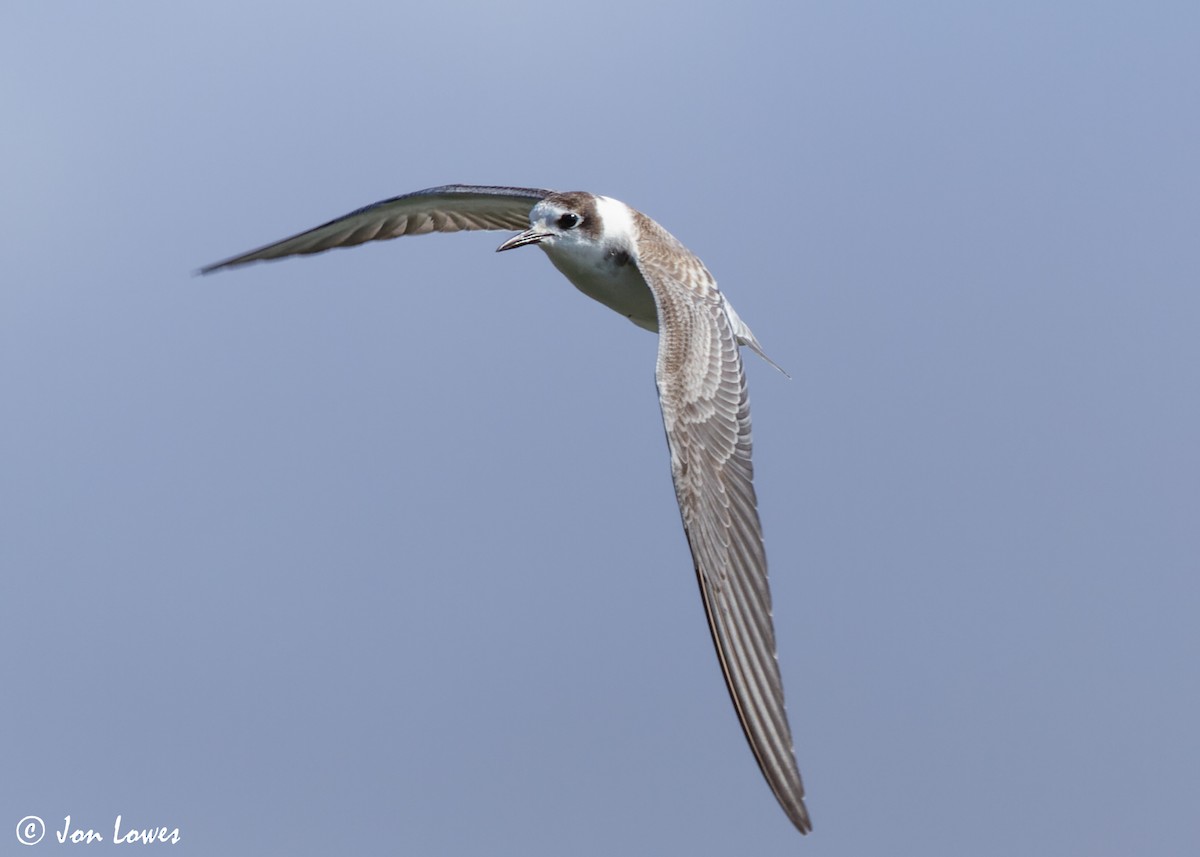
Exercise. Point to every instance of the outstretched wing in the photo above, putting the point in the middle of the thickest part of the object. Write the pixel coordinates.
(449, 208)
(706, 412)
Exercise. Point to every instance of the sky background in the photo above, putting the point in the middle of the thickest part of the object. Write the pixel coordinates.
(377, 552)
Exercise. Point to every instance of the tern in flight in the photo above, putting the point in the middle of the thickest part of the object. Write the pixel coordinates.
(626, 261)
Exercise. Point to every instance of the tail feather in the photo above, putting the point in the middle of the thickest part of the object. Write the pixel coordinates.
(746, 337)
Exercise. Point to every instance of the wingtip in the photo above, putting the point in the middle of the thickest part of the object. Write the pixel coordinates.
(794, 808)
(218, 266)
(801, 819)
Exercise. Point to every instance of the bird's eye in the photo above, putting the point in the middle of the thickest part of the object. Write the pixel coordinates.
(568, 221)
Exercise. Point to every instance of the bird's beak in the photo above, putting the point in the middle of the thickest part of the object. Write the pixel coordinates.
(529, 236)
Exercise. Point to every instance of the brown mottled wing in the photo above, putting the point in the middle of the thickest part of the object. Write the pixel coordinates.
(449, 208)
(706, 412)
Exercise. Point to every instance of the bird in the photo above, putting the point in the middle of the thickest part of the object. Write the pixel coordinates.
(626, 261)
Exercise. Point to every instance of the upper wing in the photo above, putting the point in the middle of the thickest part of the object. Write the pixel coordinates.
(706, 412)
(449, 208)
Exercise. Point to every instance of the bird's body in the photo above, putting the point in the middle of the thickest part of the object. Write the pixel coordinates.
(629, 263)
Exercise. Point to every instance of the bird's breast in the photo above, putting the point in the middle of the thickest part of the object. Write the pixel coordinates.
(610, 276)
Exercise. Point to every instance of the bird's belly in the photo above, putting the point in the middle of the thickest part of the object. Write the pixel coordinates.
(619, 286)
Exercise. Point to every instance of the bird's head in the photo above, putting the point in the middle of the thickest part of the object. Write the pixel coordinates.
(560, 221)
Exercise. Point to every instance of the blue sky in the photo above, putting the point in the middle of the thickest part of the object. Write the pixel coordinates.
(377, 551)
